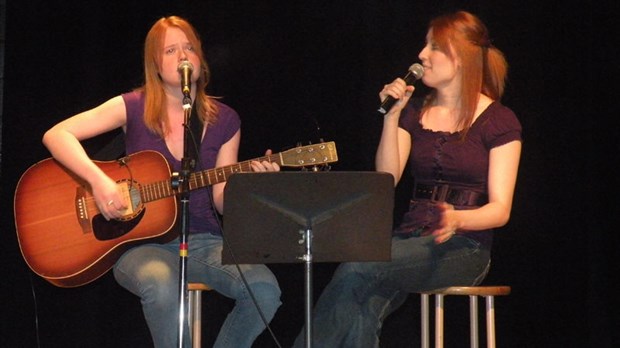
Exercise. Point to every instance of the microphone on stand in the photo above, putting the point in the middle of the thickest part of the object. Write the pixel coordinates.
(416, 71)
(185, 69)
(182, 181)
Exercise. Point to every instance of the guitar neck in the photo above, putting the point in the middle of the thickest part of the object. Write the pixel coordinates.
(298, 157)
(162, 189)
(218, 175)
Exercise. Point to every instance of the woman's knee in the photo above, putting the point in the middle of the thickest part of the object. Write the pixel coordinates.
(264, 287)
(267, 293)
(140, 269)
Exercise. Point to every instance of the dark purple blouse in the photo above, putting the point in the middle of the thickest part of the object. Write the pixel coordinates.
(443, 158)
(138, 137)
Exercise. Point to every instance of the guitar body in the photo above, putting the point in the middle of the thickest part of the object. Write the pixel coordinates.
(61, 234)
(65, 240)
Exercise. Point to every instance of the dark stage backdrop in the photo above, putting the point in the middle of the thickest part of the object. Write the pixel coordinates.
(298, 72)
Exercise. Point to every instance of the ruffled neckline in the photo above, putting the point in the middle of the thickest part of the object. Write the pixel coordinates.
(483, 115)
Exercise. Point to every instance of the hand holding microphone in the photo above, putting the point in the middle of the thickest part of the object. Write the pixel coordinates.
(416, 71)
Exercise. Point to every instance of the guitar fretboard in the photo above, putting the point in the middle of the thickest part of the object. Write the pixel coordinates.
(163, 189)
(298, 157)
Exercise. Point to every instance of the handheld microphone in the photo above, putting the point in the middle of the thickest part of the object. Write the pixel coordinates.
(416, 71)
(185, 69)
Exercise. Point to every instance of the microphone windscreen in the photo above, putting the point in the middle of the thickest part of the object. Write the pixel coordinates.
(185, 65)
(417, 70)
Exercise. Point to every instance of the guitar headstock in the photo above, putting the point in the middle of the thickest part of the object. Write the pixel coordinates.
(310, 155)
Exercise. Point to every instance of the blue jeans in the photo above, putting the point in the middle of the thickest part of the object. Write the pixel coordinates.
(151, 272)
(351, 309)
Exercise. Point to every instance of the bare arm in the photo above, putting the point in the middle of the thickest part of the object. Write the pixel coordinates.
(395, 143)
(63, 142)
(226, 156)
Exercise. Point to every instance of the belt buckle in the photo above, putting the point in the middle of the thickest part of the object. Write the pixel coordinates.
(440, 192)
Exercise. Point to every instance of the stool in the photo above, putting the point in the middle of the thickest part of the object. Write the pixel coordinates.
(488, 292)
(195, 311)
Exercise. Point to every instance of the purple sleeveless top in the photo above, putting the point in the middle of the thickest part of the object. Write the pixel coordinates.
(138, 138)
(442, 158)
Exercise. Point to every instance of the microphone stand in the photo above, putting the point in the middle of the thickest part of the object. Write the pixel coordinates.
(183, 189)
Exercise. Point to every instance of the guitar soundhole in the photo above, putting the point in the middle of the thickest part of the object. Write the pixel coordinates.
(106, 230)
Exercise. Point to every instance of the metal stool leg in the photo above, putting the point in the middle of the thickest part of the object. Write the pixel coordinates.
(473, 321)
(424, 320)
(438, 321)
(490, 304)
(195, 317)
(195, 311)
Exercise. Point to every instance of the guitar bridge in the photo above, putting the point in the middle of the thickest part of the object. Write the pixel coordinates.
(81, 210)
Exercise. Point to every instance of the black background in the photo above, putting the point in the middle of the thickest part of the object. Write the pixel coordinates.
(301, 71)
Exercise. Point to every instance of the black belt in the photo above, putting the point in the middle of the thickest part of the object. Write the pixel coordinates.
(445, 193)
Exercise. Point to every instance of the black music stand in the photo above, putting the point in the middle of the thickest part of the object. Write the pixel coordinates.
(294, 217)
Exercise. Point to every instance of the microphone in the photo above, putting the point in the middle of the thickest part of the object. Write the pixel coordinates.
(416, 71)
(185, 69)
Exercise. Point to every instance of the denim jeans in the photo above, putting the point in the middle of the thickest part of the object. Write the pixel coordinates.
(151, 272)
(352, 307)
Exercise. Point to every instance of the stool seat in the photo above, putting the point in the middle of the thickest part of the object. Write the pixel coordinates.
(472, 291)
(197, 287)
(488, 292)
(194, 291)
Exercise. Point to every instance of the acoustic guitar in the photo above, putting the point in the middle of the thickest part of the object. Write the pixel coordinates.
(64, 238)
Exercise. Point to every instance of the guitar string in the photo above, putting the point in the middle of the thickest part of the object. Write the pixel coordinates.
(163, 189)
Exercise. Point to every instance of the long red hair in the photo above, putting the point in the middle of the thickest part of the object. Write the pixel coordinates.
(155, 115)
(483, 66)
